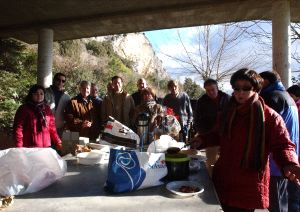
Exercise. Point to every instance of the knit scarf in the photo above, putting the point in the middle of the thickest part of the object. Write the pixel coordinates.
(253, 153)
(39, 111)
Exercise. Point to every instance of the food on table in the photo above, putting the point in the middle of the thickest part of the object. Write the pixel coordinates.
(188, 189)
(189, 151)
(82, 148)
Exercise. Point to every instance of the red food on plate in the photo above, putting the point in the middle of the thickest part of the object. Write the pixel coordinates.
(188, 189)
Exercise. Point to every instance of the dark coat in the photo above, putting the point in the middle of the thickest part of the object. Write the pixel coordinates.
(208, 110)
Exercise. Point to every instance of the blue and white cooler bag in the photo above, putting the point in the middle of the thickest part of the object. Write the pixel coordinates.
(129, 170)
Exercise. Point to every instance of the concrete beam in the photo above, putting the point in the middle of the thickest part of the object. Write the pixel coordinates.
(45, 57)
(281, 40)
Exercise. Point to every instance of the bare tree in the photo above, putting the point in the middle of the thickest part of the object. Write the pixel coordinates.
(213, 52)
(261, 33)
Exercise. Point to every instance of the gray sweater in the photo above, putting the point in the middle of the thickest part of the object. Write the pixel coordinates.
(181, 106)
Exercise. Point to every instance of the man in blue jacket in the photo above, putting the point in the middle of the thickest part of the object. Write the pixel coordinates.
(282, 192)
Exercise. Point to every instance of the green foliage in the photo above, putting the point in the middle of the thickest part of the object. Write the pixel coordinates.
(11, 55)
(17, 74)
(70, 48)
(192, 89)
(97, 48)
(13, 89)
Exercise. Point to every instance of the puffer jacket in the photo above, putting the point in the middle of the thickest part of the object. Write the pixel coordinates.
(279, 100)
(26, 125)
(245, 188)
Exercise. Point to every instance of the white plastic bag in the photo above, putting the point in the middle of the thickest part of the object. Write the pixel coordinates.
(28, 170)
(163, 143)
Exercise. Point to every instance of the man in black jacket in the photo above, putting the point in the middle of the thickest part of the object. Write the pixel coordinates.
(209, 107)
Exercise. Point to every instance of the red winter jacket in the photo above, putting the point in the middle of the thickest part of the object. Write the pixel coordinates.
(25, 128)
(244, 188)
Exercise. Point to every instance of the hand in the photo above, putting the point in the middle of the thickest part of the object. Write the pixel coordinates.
(195, 142)
(86, 124)
(158, 120)
(292, 172)
(58, 147)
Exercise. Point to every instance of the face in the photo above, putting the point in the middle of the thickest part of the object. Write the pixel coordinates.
(243, 90)
(84, 90)
(174, 89)
(110, 87)
(211, 91)
(59, 83)
(141, 84)
(94, 90)
(118, 85)
(147, 97)
(294, 97)
(38, 96)
(266, 83)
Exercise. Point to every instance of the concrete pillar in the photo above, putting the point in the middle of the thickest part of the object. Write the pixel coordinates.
(45, 57)
(281, 40)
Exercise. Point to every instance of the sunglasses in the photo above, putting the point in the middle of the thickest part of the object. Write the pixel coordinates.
(245, 89)
(60, 80)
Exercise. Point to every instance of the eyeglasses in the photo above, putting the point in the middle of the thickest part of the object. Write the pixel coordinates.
(245, 89)
(60, 80)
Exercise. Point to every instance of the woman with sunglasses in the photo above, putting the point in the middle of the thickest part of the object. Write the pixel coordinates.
(34, 123)
(249, 131)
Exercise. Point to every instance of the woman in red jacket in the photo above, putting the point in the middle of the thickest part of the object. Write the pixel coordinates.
(34, 123)
(249, 131)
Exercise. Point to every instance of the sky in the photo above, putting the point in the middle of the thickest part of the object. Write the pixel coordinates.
(167, 42)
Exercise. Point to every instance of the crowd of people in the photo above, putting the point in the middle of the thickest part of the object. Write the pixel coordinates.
(251, 137)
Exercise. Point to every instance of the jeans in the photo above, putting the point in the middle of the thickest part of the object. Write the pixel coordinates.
(294, 197)
(278, 195)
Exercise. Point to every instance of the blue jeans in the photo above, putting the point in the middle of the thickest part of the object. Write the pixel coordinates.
(294, 197)
(278, 196)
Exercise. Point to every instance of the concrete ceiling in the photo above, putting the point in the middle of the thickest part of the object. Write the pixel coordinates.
(72, 19)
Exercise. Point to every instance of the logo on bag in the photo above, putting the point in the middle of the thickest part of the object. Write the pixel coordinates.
(159, 164)
(128, 162)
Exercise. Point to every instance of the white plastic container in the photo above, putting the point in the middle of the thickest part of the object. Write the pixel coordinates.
(89, 158)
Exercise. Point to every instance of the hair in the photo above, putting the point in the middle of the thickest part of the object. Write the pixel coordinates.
(116, 77)
(271, 76)
(295, 90)
(33, 89)
(148, 90)
(249, 75)
(140, 79)
(57, 75)
(210, 82)
(84, 82)
(171, 83)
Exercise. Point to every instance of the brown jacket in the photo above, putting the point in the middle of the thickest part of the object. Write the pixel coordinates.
(118, 105)
(77, 111)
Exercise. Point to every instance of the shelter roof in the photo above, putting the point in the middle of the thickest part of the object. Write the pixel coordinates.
(72, 19)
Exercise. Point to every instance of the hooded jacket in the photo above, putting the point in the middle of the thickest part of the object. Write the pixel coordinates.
(276, 97)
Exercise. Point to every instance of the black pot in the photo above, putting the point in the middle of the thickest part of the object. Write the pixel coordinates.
(178, 166)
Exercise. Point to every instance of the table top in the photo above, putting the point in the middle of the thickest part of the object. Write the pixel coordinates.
(82, 189)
